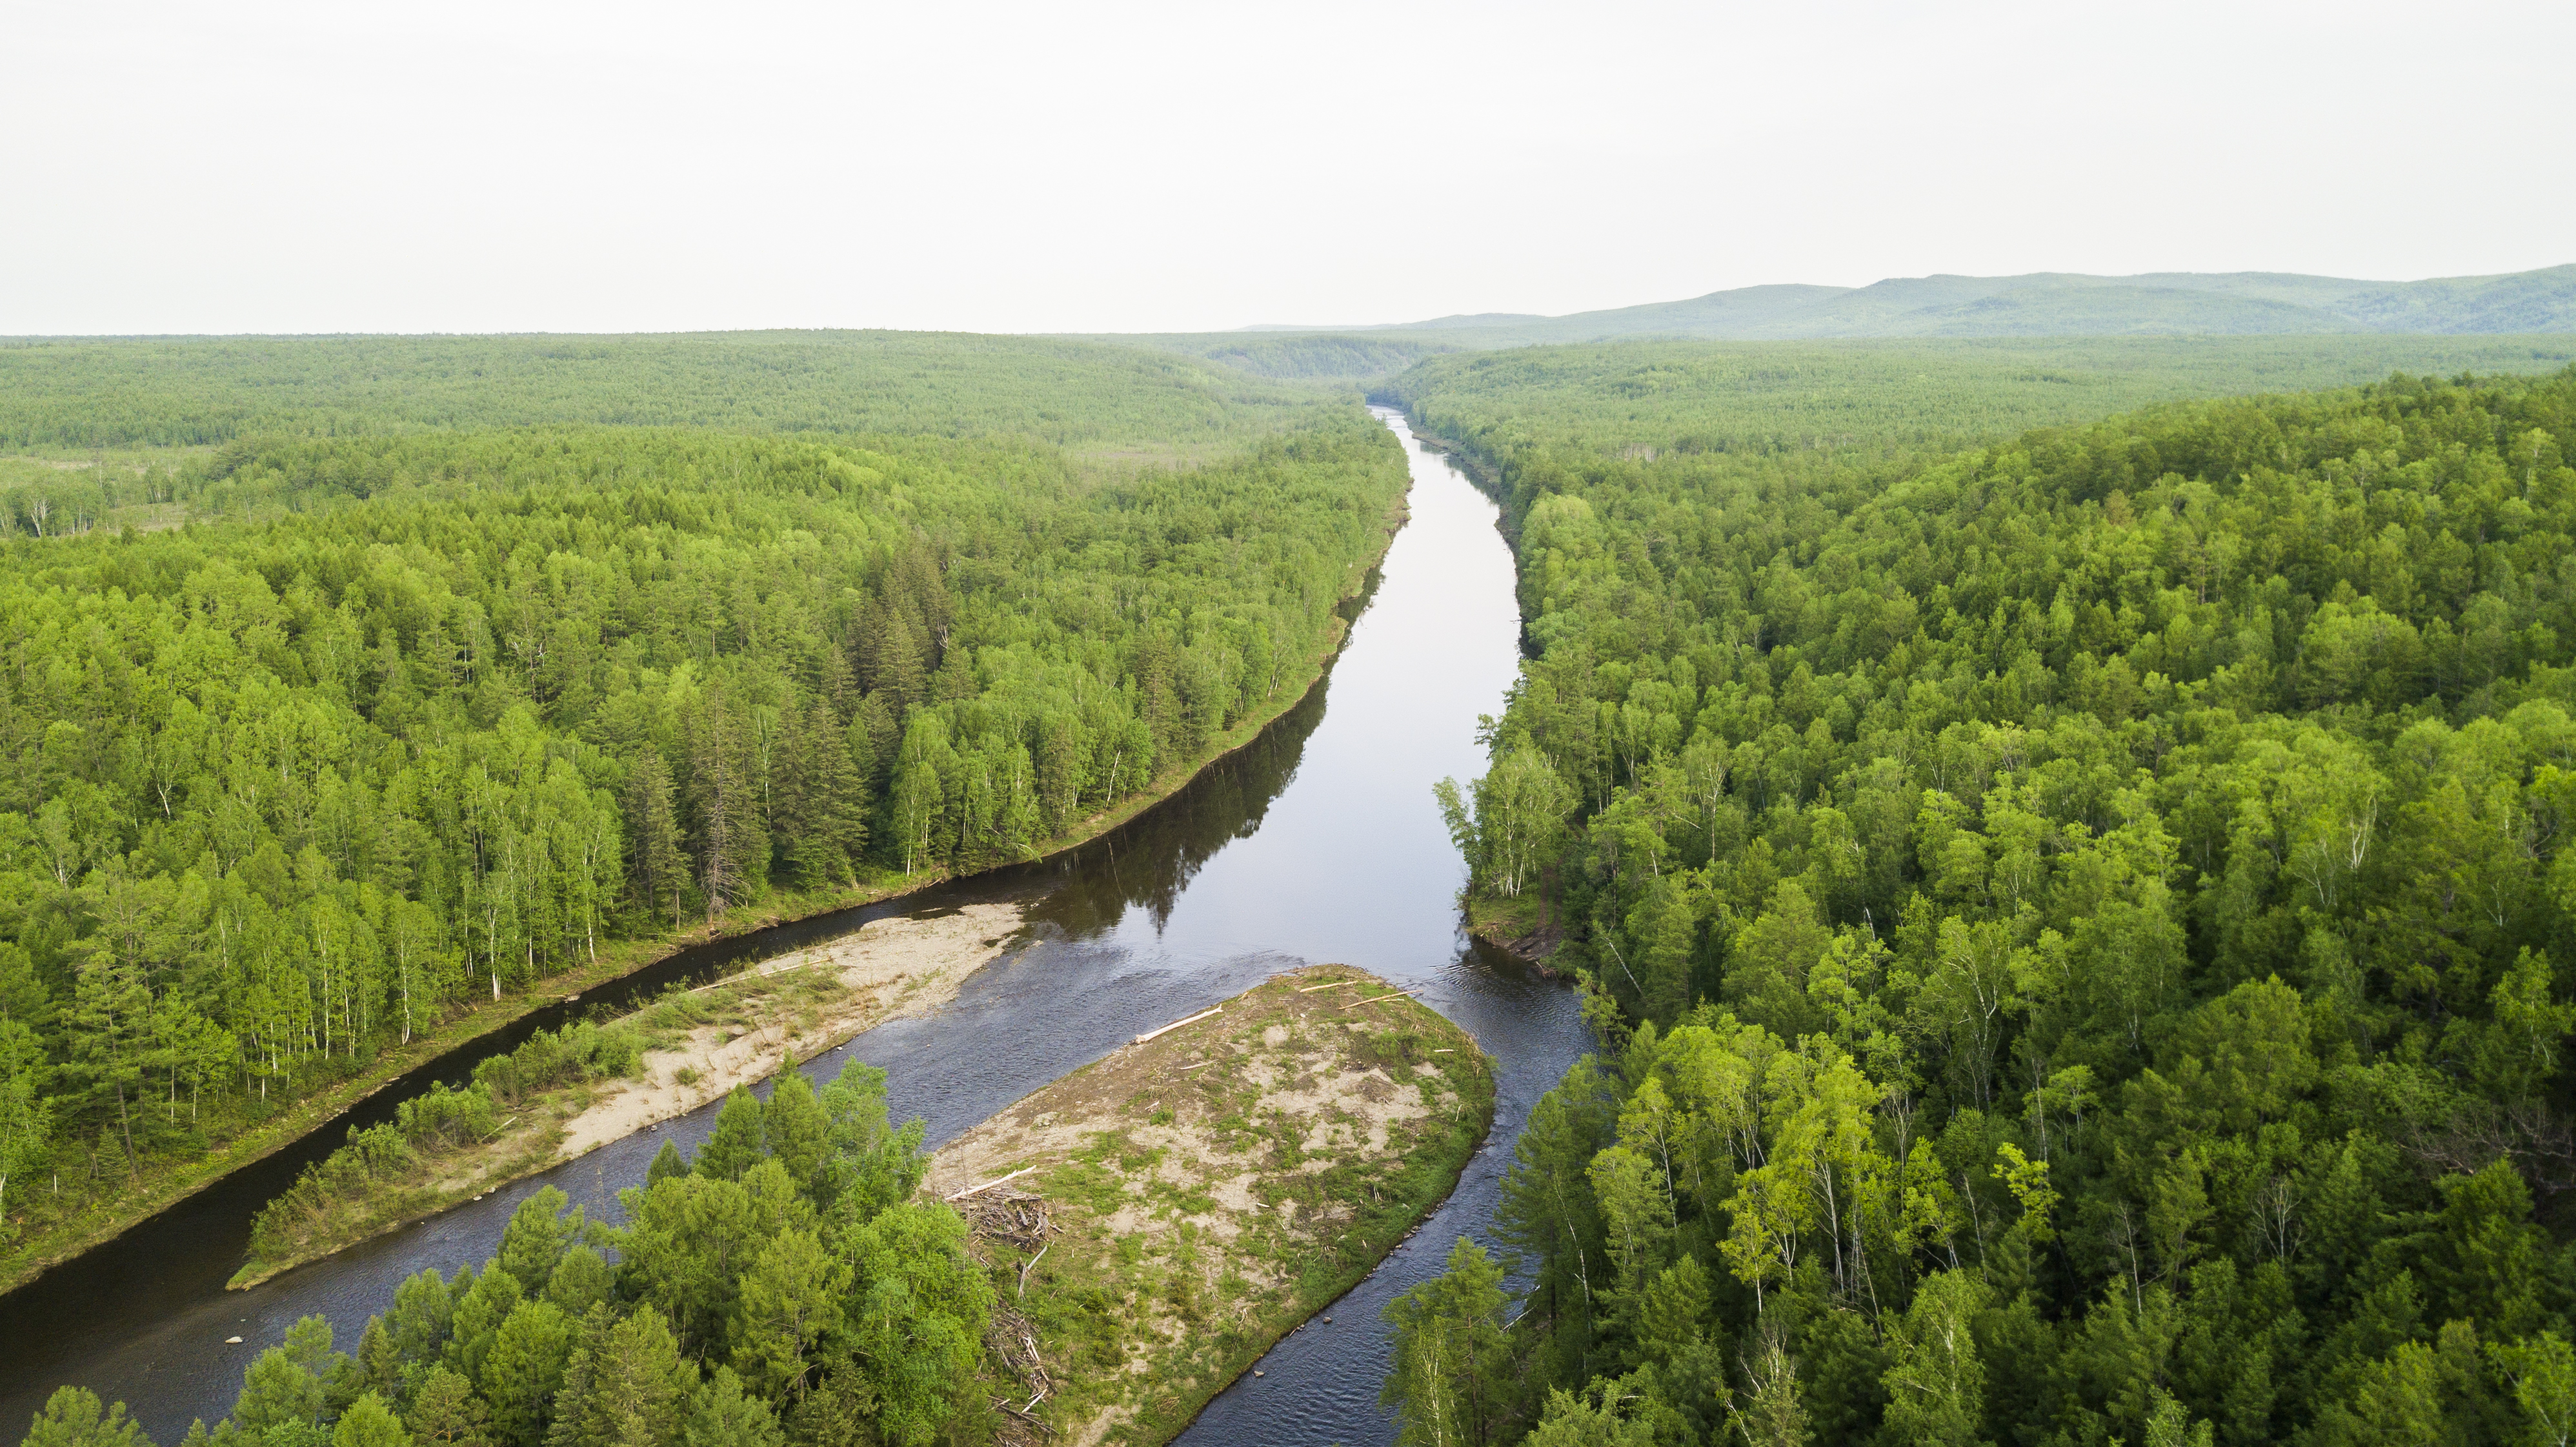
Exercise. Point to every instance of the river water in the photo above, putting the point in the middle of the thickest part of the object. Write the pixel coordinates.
(1317, 842)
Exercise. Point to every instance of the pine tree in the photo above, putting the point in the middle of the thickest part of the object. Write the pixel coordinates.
(582, 1279)
(796, 1129)
(790, 1299)
(110, 1022)
(838, 687)
(480, 1309)
(445, 1411)
(422, 1312)
(379, 1359)
(724, 1415)
(725, 789)
(26, 1116)
(667, 1162)
(1450, 1359)
(627, 1385)
(827, 801)
(525, 1368)
(535, 1238)
(735, 1145)
(819, 823)
(72, 1417)
(369, 1423)
(652, 821)
(290, 1384)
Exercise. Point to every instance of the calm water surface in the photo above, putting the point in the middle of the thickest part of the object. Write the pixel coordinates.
(1317, 842)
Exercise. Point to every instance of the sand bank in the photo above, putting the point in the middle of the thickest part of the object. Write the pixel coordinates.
(737, 1031)
(891, 968)
(1156, 1220)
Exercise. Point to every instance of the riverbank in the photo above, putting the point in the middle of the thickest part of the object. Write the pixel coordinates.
(108, 1214)
(689, 1049)
(1157, 1220)
(1523, 927)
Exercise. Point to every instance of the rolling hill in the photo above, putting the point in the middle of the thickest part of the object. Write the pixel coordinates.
(2041, 304)
(2061, 304)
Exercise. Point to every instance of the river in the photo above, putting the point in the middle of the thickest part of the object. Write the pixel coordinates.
(1319, 841)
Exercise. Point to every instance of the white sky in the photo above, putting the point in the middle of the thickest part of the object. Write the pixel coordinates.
(466, 166)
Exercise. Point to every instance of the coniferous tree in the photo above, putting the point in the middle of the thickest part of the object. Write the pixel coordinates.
(757, 1278)
(525, 1369)
(110, 1022)
(626, 1386)
(732, 842)
(1448, 1384)
(72, 1417)
(661, 866)
(791, 1299)
(667, 1162)
(796, 1129)
(724, 1415)
(534, 1240)
(735, 1146)
(445, 1410)
(582, 1279)
(368, 1422)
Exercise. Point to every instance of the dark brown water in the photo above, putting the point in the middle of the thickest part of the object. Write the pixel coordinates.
(1317, 842)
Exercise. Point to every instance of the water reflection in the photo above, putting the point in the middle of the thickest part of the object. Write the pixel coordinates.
(1318, 841)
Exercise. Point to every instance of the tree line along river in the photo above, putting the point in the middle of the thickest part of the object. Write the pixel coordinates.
(1318, 841)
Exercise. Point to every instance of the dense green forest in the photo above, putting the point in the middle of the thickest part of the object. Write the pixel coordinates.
(783, 1283)
(1300, 356)
(2080, 926)
(1639, 400)
(2074, 920)
(413, 718)
(112, 392)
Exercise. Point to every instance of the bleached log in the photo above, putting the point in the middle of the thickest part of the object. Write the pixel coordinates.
(1177, 1024)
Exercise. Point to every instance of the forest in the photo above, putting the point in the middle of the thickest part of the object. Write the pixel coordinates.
(1637, 400)
(411, 717)
(92, 393)
(782, 1282)
(2079, 926)
(2072, 909)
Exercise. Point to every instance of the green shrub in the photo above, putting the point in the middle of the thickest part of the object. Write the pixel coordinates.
(447, 1117)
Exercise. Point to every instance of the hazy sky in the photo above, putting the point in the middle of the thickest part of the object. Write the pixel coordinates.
(463, 166)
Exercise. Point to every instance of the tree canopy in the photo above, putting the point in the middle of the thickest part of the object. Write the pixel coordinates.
(787, 1292)
(2078, 924)
(417, 716)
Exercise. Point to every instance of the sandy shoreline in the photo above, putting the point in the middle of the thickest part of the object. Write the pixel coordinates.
(886, 970)
(893, 968)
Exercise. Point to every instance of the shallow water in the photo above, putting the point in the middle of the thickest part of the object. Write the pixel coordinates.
(1319, 841)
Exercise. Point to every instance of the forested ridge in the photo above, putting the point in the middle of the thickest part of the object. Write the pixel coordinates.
(420, 717)
(2204, 306)
(2079, 925)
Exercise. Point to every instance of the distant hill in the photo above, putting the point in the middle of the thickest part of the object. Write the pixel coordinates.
(2060, 304)
(2042, 304)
